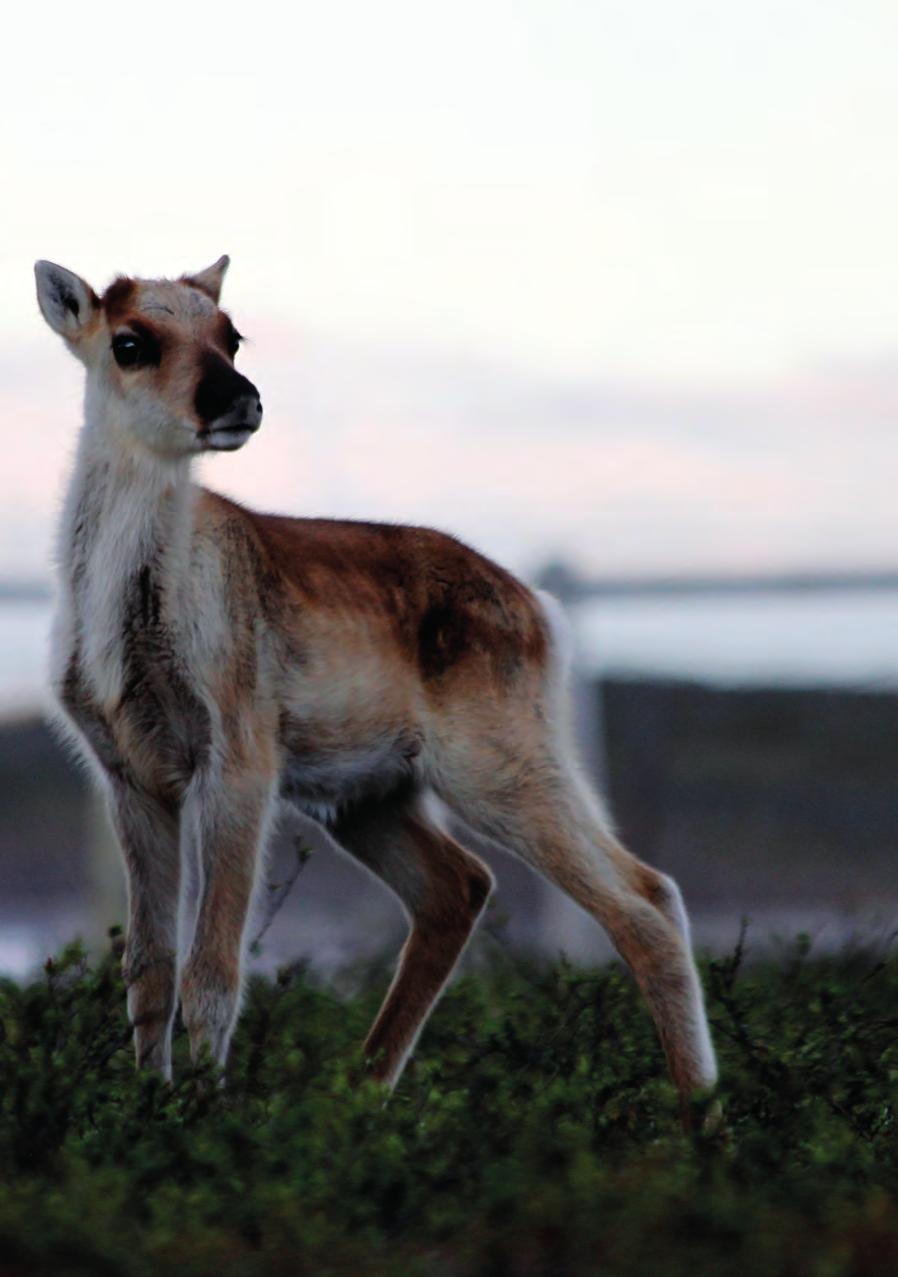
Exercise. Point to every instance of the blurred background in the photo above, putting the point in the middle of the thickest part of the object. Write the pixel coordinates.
(609, 290)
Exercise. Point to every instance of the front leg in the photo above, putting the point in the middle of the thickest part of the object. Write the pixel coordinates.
(148, 831)
(228, 817)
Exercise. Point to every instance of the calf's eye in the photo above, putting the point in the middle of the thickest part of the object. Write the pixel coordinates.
(127, 350)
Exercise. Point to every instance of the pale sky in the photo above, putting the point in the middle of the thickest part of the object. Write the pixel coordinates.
(611, 280)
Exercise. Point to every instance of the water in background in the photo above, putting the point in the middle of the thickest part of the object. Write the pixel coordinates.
(826, 639)
(24, 647)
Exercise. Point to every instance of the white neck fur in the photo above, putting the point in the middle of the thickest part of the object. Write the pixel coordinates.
(125, 510)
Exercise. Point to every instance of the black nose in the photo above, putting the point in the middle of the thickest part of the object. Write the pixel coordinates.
(244, 411)
(223, 390)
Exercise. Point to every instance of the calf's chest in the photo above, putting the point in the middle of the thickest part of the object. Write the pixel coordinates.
(133, 702)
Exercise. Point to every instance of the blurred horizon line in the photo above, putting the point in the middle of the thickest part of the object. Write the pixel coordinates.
(572, 586)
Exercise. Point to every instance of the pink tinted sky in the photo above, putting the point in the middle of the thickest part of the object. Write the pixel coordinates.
(611, 282)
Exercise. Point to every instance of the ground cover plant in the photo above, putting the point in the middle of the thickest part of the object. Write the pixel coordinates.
(533, 1134)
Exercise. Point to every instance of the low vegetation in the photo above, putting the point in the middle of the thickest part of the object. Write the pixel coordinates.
(534, 1134)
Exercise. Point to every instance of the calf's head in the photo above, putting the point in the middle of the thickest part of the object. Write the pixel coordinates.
(159, 356)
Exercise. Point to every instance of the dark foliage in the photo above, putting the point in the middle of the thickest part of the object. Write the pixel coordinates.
(534, 1134)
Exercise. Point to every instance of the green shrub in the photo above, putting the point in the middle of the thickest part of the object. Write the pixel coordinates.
(534, 1134)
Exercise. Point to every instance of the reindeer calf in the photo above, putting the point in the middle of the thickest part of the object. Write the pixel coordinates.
(214, 662)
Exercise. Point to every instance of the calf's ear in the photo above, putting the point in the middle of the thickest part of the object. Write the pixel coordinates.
(67, 302)
(211, 279)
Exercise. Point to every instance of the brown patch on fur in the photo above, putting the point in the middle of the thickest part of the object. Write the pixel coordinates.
(118, 299)
(447, 606)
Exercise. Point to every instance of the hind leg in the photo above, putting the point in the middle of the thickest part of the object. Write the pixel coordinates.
(443, 889)
(542, 811)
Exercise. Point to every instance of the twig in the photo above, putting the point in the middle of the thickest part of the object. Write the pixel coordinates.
(279, 891)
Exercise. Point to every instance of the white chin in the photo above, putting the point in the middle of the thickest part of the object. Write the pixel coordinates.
(226, 440)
